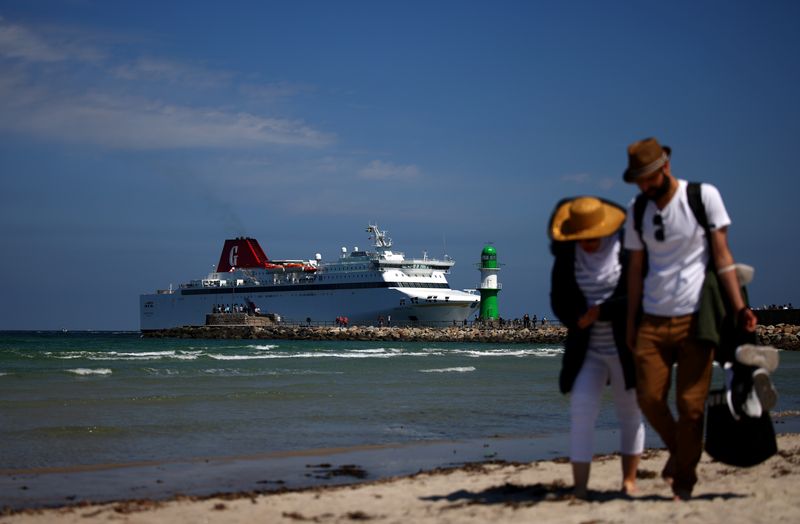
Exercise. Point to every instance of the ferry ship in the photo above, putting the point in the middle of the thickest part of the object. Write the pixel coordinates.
(364, 286)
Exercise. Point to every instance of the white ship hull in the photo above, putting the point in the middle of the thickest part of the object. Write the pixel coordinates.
(162, 311)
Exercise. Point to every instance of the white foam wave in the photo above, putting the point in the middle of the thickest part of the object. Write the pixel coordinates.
(144, 355)
(67, 356)
(263, 347)
(391, 353)
(316, 354)
(507, 352)
(87, 371)
(466, 369)
(243, 357)
(161, 372)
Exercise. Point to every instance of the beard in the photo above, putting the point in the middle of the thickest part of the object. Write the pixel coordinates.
(655, 193)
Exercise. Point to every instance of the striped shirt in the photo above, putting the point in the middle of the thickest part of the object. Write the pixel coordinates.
(597, 275)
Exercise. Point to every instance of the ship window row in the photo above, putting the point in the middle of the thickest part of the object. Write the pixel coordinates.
(348, 267)
(331, 277)
(421, 284)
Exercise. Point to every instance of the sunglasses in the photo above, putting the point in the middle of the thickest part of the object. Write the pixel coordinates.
(658, 222)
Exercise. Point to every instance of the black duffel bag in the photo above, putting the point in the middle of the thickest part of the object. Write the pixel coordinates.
(745, 442)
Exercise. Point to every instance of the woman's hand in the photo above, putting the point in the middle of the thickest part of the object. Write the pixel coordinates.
(589, 317)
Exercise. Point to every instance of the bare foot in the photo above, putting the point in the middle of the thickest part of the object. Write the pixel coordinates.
(681, 495)
(629, 488)
(580, 493)
(668, 473)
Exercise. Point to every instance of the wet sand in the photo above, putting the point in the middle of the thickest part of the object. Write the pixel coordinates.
(53, 487)
(483, 492)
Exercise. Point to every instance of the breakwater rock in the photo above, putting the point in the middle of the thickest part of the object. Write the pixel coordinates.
(541, 335)
(781, 336)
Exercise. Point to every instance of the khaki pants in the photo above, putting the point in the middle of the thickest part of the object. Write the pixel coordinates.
(660, 343)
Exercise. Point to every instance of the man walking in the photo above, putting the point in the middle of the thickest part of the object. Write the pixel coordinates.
(677, 254)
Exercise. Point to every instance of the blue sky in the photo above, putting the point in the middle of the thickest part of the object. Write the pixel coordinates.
(136, 136)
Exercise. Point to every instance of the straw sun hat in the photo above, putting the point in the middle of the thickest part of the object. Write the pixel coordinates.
(585, 217)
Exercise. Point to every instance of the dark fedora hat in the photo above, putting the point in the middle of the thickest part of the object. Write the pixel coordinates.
(645, 157)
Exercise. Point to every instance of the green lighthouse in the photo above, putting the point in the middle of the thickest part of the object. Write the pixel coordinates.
(489, 286)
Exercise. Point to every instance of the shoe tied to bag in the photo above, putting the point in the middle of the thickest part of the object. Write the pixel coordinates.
(764, 389)
(765, 357)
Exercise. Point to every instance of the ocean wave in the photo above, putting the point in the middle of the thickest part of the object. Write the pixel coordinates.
(262, 347)
(87, 371)
(143, 355)
(66, 356)
(508, 352)
(276, 372)
(466, 369)
(243, 357)
(161, 372)
(353, 354)
(364, 354)
(103, 355)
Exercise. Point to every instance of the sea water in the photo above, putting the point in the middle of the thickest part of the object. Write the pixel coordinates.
(75, 399)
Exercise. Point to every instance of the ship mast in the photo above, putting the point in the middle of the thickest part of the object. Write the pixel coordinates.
(380, 238)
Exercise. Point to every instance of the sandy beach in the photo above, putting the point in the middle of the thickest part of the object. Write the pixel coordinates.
(488, 492)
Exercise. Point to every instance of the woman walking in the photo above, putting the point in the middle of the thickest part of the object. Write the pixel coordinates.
(588, 295)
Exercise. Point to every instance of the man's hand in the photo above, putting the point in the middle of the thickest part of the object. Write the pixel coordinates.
(747, 319)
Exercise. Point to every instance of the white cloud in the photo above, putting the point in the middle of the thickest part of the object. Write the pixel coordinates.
(607, 182)
(274, 90)
(20, 43)
(160, 70)
(138, 123)
(576, 178)
(379, 170)
(57, 103)
(586, 179)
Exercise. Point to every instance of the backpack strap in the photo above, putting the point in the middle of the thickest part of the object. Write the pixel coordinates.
(695, 197)
(638, 214)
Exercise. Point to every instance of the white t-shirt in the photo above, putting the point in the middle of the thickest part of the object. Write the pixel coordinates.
(677, 265)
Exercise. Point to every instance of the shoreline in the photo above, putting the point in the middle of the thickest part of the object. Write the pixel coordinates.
(268, 473)
(490, 490)
(781, 336)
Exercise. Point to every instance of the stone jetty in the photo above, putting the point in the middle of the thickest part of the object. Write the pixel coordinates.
(545, 334)
(782, 336)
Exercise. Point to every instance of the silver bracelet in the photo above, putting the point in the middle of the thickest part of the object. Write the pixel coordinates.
(726, 269)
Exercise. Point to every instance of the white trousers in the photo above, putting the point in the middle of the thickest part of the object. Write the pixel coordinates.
(585, 398)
